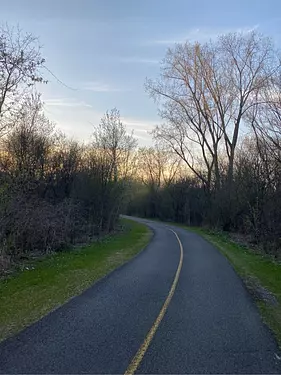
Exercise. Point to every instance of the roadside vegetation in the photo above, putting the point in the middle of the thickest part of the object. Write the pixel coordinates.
(46, 283)
(54, 192)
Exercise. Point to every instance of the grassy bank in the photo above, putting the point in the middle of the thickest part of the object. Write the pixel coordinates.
(53, 280)
(260, 273)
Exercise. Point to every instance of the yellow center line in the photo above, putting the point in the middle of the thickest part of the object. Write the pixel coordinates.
(143, 348)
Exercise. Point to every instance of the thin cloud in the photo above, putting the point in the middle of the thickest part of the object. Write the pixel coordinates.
(191, 35)
(138, 60)
(65, 102)
(141, 128)
(102, 87)
(138, 123)
(201, 35)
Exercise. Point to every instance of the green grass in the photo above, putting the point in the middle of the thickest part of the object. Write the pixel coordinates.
(31, 294)
(255, 269)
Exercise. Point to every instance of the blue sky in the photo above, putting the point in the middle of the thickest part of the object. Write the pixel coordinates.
(105, 49)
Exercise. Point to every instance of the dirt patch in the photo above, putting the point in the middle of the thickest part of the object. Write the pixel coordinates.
(116, 257)
(258, 292)
(5, 266)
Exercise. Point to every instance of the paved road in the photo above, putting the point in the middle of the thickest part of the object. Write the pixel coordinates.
(211, 324)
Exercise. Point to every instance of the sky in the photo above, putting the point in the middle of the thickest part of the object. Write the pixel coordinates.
(103, 50)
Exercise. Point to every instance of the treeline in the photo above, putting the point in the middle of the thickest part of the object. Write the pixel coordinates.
(53, 191)
(254, 207)
(221, 106)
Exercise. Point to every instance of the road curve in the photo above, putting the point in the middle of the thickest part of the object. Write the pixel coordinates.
(210, 324)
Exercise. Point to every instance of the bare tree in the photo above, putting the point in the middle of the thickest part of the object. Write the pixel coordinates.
(265, 119)
(20, 63)
(204, 93)
(191, 128)
(111, 136)
(157, 166)
(250, 62)
(30, 141)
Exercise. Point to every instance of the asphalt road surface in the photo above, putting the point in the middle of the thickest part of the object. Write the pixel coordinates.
(210, 325)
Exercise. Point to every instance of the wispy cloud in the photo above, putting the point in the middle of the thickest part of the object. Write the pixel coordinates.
(65, 102)
(139, 124)
(102, 87)
(200, 35)
(138, 60)
(190, 35)
(141, 129)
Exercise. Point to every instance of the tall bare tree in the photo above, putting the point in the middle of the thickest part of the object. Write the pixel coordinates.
(185, 104)
(265, 119)
(205, 91)
(20, 63)
(250, 63)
